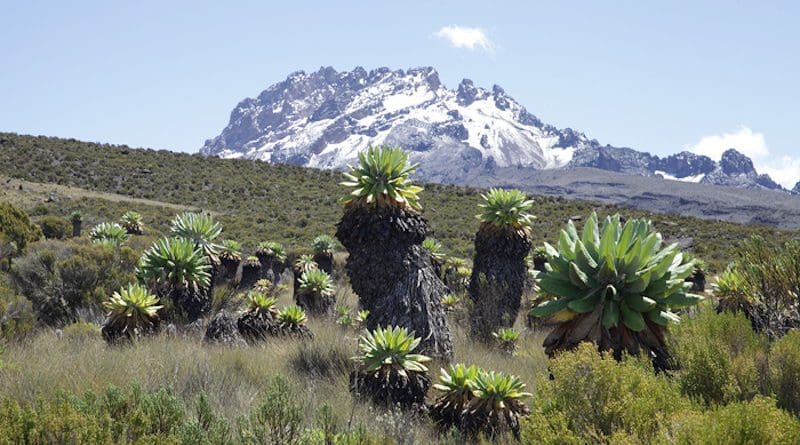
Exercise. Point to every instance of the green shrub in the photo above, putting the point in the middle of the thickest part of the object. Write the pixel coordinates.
(758, 421)
(592, 397)
(720, 358)
(784, 365)
(54, 227)
(16, 313)
(277, 419)
(16, 227)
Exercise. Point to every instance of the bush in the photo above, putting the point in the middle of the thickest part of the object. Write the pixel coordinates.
(16, 227)
(16, 313)
(592, 397)
(277, 419)
(784, 361)
(59, 277)
(755, 422)
(54, 227)
(719, 357)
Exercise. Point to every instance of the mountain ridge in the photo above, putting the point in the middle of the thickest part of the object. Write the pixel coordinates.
(322, 119)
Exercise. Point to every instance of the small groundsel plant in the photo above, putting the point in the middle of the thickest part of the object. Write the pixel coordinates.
(175, 262)
(318, 282)
(389, 372)
(434, 249)
(271, 249)
(263, 286)
(507, 339)
(477, 401)
(109, 234)
(382, 176)
(132, 312)
(451, 301)
(305, 263)
(230, 250)
(132, 223)
(324, 244)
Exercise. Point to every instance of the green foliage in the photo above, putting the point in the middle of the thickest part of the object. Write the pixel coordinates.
(382, 177)
(110, 234)
(200, 229)
(317, 281)
(305, 263)
(59, 277)
(434, 249)
(277, 420)
(731, 286)
(292, 316)
(390, 348)
(455, 383)
(719, 357)
(260, 301)
(496, 398)
(324, 244)
(753, 422)
(16, 314)
(621, 269)
(230, 250)
(272, 248)
(132, 310)
(592, 397)
(16, 228)
(54, 227)
(132, 222)
(175, 262)
(506, 208)
(785, 371)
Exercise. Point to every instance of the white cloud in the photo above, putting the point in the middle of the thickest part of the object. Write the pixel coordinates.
(785, 170)
(466, 37)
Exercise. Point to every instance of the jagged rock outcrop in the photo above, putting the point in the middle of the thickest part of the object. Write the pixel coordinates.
(324, 118)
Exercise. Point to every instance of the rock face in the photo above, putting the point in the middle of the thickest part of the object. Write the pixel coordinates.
(323, 119)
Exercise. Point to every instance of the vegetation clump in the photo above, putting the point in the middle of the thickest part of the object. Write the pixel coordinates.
(317, 292)
(132, 312)
(108, 234)
(615, 286)
(259, 320)
(132, 223)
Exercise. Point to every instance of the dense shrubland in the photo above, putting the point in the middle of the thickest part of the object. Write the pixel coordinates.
(169, 329)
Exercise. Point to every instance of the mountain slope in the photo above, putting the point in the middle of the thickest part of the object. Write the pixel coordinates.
(323, 119)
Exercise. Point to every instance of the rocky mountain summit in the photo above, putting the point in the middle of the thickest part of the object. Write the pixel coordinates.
(324, 118)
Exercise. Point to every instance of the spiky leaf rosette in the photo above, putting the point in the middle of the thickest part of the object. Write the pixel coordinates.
(132, 223)
(434, 249)
(263, 286)
(175, 262)
(271, 249)
(318, 282)
(261, 302)
(390, 348)
(230, 250)
(110, 234)
(506, 208)
(292, 316)
(497, 404)
(132, 311)
(732, 291)
(389, 372)
(382, 177)
(613, 285)
(76, 216)
(454, 383)
(507, 339)
(324, 244)
(305, 264)
(199, 228)
(252, 261)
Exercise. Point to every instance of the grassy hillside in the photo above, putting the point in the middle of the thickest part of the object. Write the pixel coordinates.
(257, 201)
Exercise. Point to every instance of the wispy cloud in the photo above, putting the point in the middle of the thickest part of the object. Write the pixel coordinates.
(466, 37)
(785, 170)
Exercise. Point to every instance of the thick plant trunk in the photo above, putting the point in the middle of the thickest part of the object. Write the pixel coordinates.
(251, 273)
(324, 262)
(229, 268)
(393, 275)
(223, 330)
(190, 304)
(698, 280)
(499, 274)
(255, 326)
(314, 304)
(76, 228)
(390, 388)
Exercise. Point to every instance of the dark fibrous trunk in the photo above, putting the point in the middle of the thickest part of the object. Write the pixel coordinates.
(589, 328)
(256, 325)
(229, 268)
(191, 304)
(324, 262)
(698, 280)
(222, 329)
(76, 228)
(315, 304)
(388, 388)
(539, 261)
(251, 273)
(393, 275)
(491, 422)
(114, 334)
(295, 331)
(499, 274)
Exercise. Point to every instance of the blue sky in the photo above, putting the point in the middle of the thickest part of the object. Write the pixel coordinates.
(661, 78)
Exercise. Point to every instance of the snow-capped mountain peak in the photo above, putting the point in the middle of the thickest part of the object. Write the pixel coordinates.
(323, 119)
